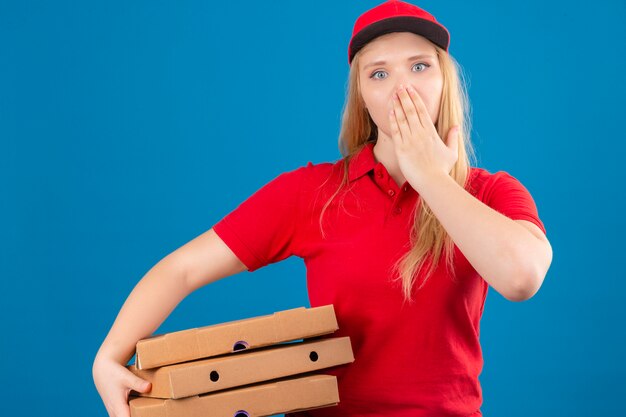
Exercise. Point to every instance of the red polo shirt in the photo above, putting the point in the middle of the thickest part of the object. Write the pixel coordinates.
(413, 360)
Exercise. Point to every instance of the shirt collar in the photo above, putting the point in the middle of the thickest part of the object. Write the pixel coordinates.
(362, 162)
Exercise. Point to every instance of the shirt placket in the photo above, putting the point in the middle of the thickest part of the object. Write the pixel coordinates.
(396, 197)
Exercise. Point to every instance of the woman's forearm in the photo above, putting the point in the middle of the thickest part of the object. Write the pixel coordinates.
(504, 253)
(151, 301)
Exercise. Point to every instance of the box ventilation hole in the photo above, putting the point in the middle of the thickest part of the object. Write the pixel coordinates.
(240, 345)
(214, 376)
(241, 413)
(313, 356)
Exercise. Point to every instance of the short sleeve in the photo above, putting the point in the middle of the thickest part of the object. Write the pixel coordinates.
(262, 229)
(507, 195)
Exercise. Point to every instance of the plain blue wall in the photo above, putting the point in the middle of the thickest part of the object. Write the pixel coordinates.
(129, 128)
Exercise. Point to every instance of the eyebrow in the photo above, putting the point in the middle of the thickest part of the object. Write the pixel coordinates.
(371, 64)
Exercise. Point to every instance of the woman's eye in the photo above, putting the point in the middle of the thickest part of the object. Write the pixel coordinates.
(378, 72)
(374, 74)
(421, 63)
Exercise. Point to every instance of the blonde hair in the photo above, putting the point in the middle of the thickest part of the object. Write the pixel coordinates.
(428, 240)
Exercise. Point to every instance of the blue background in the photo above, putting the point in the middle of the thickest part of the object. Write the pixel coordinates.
(129, 128)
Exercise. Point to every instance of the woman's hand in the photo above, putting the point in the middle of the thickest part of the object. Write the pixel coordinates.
(419, 149)
(114, 383)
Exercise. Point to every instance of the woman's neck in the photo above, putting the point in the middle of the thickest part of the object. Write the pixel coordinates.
(385, 153)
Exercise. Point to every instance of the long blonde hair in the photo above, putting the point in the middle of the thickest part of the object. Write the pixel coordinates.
(428, 240)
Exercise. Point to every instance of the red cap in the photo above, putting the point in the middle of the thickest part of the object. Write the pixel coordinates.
(396, 16)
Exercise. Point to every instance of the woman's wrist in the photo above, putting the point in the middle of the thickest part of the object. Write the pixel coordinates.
(112, 351)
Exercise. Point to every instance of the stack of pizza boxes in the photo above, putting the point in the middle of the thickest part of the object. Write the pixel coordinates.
(259, 366)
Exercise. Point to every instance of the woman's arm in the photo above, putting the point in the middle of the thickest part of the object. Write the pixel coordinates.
(510, 255)
(203, 260)
(513, 256)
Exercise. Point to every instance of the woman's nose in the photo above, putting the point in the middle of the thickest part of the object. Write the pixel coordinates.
(396, 89)
(403, 85)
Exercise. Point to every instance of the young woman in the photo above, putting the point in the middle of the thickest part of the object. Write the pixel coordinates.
(401, 235)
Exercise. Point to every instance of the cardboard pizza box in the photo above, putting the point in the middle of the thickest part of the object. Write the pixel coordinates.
(248, 367)
(229, 337)
(265, 399)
